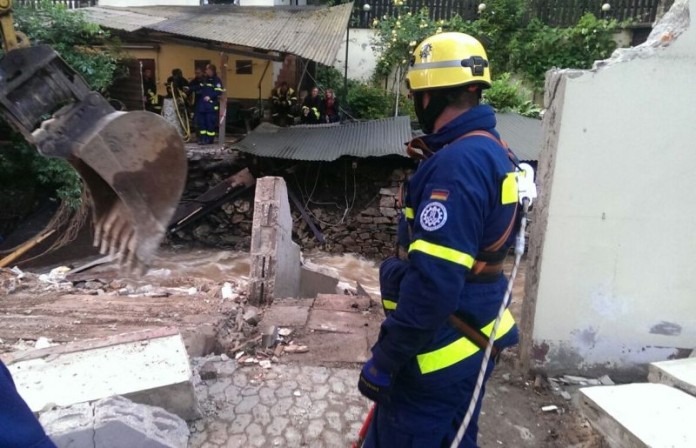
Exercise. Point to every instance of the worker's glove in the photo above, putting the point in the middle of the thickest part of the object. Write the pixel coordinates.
(374, 383)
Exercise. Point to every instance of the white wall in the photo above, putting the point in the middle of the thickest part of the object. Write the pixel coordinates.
(362, 60)
(132, 3)
(610, 285)
(271, 2)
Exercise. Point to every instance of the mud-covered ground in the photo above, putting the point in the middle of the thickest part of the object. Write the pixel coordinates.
(185, 290)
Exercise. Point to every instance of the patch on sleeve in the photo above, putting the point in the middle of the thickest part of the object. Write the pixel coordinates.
(433, 216)
(439, 195)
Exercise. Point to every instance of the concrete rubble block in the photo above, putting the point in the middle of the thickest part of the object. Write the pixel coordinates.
(275, 258)
(316, 279)
(114, 422)
(287, 313)
(149, 367)
(679, 373)
(332, 321)
(640, 415)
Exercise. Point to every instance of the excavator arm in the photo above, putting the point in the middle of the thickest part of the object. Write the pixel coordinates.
(133, 163)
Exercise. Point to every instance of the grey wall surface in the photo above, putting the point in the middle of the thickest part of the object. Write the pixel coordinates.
(614, 237)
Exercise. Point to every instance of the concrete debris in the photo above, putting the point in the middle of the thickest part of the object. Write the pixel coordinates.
(43, 342)
(296, 349)
(115, 422)
(269, 337)
(285, 332)
(550, 408)
(565, 395)
(252, 315)
(605, 381)
(266, 363)
(227, 291)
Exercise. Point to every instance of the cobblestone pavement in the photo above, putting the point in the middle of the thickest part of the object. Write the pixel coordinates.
(286, 405)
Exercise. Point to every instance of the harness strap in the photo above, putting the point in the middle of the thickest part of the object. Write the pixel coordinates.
(482, 265)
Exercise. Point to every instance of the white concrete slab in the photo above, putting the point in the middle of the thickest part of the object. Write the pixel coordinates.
(149, 367)
(680, 373)
(641, 415)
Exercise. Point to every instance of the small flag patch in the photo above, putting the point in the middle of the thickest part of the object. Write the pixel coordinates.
(439, 195)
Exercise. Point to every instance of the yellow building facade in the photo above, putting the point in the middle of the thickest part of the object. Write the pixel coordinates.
(244, 74)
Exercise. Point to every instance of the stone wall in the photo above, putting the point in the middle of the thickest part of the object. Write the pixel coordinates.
(353, 204)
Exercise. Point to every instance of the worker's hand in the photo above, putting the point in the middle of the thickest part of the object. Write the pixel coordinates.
(374, 383)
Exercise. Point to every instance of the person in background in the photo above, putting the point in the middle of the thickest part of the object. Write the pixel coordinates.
(283, 101)
(311, 106)
(18, 426)
(150, 97)
(207, 113)
(177, 85)
(330, 107)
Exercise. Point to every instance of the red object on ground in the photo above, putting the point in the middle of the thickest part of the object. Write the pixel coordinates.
(364, 428)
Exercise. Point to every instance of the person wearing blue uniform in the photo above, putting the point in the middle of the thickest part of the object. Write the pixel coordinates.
(460, 216)
(207, 108)
(18, 426)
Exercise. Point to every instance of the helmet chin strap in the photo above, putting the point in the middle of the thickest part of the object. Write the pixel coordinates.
(427, 116)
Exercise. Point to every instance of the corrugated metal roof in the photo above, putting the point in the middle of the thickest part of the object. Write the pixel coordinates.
(523, 134)
(119, 19)
(314, 33)
(375, 138)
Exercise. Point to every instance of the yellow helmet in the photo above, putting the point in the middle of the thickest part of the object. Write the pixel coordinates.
(448, 60)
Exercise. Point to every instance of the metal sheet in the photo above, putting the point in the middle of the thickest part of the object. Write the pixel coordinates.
(523, 134)
(375, 138)
(314, 33)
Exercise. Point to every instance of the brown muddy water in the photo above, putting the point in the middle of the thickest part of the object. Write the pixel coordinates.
(220, 266)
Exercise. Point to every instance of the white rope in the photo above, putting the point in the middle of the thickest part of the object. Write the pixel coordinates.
(519, 250)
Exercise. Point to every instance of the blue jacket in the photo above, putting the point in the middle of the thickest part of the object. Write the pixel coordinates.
(455, 207)
(18, 426)
(210, 87)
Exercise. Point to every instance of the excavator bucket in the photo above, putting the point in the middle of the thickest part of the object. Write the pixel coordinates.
(134, 166)
(133, 163)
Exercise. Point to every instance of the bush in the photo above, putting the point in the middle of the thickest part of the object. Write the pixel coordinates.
(506, 95)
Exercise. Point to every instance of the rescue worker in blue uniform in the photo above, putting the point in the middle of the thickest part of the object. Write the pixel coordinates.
(18, 426)
(460, 210)
(207, 91)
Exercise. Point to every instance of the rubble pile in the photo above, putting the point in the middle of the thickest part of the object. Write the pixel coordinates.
(362, 221)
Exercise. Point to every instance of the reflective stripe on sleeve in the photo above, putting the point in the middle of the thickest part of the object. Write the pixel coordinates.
(409, 213)
(388, 304)
(445, 253)
(462, 348)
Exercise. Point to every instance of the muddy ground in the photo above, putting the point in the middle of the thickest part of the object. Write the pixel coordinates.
(185, 290)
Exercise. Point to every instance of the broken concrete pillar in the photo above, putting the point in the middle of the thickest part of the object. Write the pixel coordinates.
(612, 239)
(149, 367)
(640, 415)
(114, 422)
(275, 258)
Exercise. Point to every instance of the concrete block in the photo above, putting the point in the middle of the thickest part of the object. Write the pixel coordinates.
(680, 373)
(640, 415)
(150, 367)
(336, 321)
(316, 279)
(114, 422)
(286, 316)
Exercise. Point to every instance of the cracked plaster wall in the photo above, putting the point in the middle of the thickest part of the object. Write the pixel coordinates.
(609, 287)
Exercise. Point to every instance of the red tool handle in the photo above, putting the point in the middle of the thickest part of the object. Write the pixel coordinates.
(365, 426)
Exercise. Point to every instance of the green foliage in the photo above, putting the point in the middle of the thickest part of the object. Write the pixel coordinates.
(329, 78)
(84, 46)
(93, 54)
(507, 95)
(540, 47)
(368, 102)
(513, 44)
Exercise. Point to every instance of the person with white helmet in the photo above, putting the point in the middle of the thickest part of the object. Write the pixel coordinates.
(461, 213)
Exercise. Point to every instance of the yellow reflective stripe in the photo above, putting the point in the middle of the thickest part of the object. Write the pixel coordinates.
(388, 304)
(219, 89)
(462, 348)
(509, 192)
(409, 213)
(443, 252)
